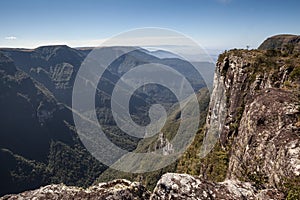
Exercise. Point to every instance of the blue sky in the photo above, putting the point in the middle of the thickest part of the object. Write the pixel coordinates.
(215, 24)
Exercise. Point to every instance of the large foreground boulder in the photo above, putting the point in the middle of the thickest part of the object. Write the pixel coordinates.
(184, 186)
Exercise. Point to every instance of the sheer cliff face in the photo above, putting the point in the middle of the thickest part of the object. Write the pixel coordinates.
(259, 118)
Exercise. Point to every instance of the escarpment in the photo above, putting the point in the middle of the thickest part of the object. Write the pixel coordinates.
(259, 119)
(254, 109)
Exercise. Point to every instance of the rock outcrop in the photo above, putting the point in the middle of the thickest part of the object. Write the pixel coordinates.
(267, 146)
(170, 186)
(262, 116)
(114, 190)
(183, 186)
(256, 112)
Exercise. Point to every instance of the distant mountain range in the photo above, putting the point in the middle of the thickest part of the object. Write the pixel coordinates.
(162, 54)
(38, 141)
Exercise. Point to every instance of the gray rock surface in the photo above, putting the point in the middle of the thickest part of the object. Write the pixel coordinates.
(268, 146)
(114, 190)
(259, 119)
(184, 186)
(170, 186)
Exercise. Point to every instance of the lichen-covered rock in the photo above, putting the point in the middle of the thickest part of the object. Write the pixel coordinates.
(114, 190)
(183, 186)
(267, 148)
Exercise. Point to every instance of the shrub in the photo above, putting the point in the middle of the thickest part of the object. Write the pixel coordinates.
(295, 74)
(292, 188)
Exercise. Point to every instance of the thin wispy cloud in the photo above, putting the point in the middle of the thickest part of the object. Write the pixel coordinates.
(10, 38)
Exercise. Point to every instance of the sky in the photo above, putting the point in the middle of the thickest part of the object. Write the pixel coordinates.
(214, 24)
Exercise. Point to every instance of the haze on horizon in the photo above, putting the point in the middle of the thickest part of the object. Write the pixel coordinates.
(214, 24)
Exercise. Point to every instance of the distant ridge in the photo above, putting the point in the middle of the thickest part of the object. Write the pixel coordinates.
(281, 42)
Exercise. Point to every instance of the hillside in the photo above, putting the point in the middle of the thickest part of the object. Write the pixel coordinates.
(39, 144)
(36, 138)
(284, 42)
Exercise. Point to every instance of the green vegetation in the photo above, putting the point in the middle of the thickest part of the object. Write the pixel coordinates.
(295, 74)
(222, 57)
(72, 166)
(272, 53)
(18, 171)
(292, 188)
(216, 163)
(190, 161)
(213, 167)
(149, 179)
(68, 165)
(150, 144)
(272, 61)
(289, 49)
(259, 179)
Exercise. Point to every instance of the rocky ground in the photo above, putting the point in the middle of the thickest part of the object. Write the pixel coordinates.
(114, 190)
(170, 186)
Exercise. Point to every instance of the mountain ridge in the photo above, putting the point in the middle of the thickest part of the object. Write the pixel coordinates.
(285, 42)
(48, 73)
